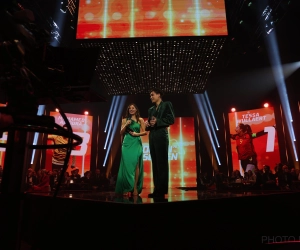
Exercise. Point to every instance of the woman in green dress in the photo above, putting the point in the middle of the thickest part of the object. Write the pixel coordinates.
(131, 171)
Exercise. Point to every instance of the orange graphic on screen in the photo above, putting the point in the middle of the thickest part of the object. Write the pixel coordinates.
(82, 126)
(263, 137)
(182, 155)
(150, 18)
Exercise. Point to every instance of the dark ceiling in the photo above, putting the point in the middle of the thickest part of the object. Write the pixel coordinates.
(133, 66)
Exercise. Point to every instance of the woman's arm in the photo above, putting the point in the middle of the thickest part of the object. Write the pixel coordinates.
(125, 123)
(142, 130)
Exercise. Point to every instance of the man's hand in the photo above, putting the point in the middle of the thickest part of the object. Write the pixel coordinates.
(133, 133)
(153, 121)
(147, 124)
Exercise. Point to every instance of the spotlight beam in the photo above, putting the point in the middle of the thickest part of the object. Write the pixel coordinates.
(274, 57)
(115, 126)
(208, 117)
(41, 110)
(111, 120)
(206, 125)
(210, 109)
(110, 113)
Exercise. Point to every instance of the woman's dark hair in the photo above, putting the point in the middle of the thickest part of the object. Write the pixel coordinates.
(248, 129)
(157, 91)
(137, 114)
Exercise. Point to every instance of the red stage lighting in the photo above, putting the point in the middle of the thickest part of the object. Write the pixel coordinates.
(266, 105)
(86, 112)
(56, 110)
(233, 110)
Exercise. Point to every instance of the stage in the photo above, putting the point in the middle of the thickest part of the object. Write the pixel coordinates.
(180, 194)
(191, 219)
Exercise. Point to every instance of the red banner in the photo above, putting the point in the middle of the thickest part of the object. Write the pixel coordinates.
(265, 145)
(82, 126)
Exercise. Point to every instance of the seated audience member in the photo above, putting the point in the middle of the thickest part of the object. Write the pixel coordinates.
(75, 176)
(251, 177)
(285, 179)
(97, 179)
(30, 179)
(87, 180)
(220, 180)
(205, 181)
(53, 179)
(65, 181)
(43, 182)
(268, 178)
(236, 176)
(294, 174)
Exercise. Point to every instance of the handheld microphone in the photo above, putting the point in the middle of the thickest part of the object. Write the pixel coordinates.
(128, 128)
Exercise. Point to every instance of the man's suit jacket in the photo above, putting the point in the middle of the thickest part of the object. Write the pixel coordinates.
(164, 115)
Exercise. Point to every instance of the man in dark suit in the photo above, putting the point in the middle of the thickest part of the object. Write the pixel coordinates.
(160, 117)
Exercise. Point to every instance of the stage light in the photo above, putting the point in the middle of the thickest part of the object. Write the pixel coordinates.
(115, 125)
(274, 57)
(201, 106)
(64, 6)
(233, 109)
(266, 105)
(208, 116)
(41, 110)
(57, 22)
(112, 120)
(56, 110)
(210, 109)
(86, 112)
(110, 113)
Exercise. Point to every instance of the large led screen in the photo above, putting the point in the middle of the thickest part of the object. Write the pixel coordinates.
(182, 155)
(264, 136)
(150, 18)
(82, 126)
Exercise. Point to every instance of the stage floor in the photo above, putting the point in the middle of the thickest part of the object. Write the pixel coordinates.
(186, 219)
(174, 195)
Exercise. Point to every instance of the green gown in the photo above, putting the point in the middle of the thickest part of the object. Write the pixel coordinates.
(131, 158)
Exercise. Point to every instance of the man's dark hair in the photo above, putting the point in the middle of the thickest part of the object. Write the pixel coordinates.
(157, 91)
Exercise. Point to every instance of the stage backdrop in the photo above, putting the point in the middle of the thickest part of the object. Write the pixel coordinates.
(266, 146)
(82, 126)
(182, 155)
(150, 18)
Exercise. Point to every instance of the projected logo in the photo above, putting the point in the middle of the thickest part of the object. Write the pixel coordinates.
(82, 126)
(182, 155)
(260, 142)
(150, 18)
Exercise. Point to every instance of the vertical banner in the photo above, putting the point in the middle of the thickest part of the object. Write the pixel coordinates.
(182, 155)
(82, 126)
(264, 136)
